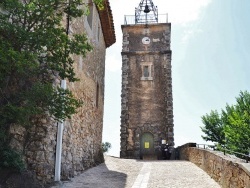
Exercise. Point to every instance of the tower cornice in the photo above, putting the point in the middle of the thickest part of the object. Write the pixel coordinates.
(147, 52)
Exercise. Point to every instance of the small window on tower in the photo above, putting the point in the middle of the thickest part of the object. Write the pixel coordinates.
(146, 71)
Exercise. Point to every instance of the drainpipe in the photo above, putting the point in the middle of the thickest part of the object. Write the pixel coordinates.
(59, 143)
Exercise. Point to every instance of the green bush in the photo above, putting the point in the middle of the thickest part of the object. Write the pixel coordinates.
(11, 159)
(106, 146)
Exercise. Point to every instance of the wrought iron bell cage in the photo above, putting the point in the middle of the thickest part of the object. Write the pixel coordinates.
(146, 13)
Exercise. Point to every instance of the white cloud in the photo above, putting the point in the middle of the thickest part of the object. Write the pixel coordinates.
(182, 11)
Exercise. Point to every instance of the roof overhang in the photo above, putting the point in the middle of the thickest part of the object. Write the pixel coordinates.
(107, 23)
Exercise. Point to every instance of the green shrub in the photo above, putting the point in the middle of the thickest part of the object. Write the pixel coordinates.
(11, 159)
(106, 146)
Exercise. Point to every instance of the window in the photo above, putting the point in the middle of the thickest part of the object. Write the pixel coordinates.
(97, 95)
(147, 68)
(90, 15)
(98, 32)
(80, 64)
(145, 71)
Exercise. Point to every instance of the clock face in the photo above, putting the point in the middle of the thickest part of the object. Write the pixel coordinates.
(146, 40)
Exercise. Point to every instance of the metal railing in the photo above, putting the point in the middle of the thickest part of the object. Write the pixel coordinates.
(206, 146)
(225, 151)
(131, 19)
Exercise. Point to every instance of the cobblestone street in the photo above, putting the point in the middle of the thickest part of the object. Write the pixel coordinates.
(128, 173)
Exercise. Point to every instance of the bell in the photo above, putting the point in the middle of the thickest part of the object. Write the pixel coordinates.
(146, 10)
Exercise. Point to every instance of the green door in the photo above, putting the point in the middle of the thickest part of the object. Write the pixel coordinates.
(147, 144)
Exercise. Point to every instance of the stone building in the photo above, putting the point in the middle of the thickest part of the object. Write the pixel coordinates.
(147, 104)
(83, 133)
(82, 136)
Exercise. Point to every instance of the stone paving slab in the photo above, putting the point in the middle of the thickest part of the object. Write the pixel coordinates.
(129, 173)
(179, 174)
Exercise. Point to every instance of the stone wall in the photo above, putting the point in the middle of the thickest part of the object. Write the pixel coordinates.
(83, 132)
(82, 136)
(228, 171)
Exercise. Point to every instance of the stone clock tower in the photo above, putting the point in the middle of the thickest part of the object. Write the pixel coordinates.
(147, 102)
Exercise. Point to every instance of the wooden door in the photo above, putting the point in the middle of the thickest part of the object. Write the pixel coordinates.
(147, 144)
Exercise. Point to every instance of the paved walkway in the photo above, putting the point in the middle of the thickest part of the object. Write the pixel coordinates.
(128, 173)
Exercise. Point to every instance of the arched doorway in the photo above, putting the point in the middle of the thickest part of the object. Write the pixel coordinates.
(146, 145)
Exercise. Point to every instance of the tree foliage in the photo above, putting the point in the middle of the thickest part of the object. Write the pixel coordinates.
(231, 128)
(35, 50)
(213, 128)
(105, 147)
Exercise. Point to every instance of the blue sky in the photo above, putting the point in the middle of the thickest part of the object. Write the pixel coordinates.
(210, 42)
